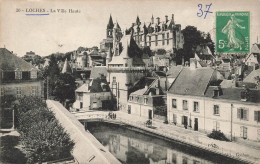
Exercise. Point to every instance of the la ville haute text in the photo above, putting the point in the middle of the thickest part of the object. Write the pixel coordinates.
(42, 10)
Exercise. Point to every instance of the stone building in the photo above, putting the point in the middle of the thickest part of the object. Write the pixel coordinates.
(124, 69)
(18, 77)
(113, 32)
(160, 34)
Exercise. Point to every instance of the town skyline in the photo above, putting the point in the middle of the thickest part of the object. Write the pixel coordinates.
(66, 32)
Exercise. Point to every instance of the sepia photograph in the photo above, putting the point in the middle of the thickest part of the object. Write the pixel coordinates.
(129, 82)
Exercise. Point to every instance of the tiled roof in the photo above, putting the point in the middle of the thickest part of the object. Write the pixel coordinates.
(233, 94)
(192, 82)
(97, 71)
(94, 86)
(251, 77)
(10, 62)
(174, 71)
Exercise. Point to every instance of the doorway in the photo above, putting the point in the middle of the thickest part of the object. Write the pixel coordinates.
(196, 125)
(150, 114)
(81, 105)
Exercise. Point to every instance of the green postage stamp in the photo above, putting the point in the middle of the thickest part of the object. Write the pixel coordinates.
(232, 32)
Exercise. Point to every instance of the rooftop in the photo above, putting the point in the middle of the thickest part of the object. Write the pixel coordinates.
(192, 82)
(10, 62)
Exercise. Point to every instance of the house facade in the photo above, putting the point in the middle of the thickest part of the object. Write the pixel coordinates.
(197, 103)
(94, 94)
(17, 77)
(146, 101)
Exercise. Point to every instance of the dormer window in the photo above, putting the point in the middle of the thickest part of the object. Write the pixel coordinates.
(33, 74)
(244, 95)
(18, 74)
(145, 100)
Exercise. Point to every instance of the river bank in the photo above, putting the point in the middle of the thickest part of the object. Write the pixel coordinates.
(243, 153)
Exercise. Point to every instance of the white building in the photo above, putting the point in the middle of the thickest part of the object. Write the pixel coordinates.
(195, 103)
(94, 94)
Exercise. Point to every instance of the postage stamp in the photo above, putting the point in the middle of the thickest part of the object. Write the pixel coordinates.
(232, 32)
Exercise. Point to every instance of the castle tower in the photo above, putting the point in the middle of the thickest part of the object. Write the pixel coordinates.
(124, 70)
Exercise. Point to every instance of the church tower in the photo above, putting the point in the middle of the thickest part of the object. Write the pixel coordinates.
(110, 27)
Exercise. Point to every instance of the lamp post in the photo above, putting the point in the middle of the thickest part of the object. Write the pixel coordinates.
(13, 119)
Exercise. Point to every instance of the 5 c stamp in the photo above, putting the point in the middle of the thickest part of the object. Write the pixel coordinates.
(232, 32)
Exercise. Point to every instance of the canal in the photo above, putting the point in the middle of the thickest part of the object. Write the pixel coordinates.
(132, 147)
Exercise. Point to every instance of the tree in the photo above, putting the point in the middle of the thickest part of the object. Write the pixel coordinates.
(42, 136)
(192, 38)
(210, 43)
(64, 88)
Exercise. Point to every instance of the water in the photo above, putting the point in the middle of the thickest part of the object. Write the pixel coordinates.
(132, 147)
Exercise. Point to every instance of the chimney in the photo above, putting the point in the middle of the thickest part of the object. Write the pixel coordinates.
(83, 76)
(173, 18)
(193, 63)
(158, 20)
(166, 18)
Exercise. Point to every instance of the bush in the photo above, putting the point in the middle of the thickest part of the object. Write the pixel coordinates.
(218, 135)
(43, 138)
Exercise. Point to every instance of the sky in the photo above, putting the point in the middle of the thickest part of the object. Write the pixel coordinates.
(43, 34)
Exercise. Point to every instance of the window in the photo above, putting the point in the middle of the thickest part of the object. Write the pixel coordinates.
(145, 100)
(174, 103)
(184, 160)
(34, 90)
(141, 37)
(167, 38)
(163, 37)
(114, 79)
(156, 40)
(18, 92)
(174, 158)
(216, 109)
(216, 125)
(185, 104)
(257, 116)
(136, 99)
(131, 98)
(80, 96)
(33, 74)
(243, 132)
(18, 75)
(242, 114)
(150, 40)
(196, 106)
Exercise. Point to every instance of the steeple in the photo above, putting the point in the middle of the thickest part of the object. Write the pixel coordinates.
(66, 67)
(110, 24)
(152, 20)
(145, 29)
(137, 20)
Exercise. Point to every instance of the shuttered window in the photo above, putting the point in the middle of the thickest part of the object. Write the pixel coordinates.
(257, 116)
(243, 132)
(242, 114)
(174, 103)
